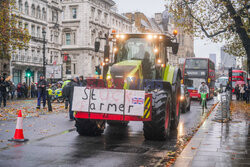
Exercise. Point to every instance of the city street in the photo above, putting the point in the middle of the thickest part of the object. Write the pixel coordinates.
(53, 141)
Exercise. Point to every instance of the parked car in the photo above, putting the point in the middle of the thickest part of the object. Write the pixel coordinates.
(185, 99)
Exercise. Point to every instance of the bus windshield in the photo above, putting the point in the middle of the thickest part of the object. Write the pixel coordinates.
(194, 83)
(196, 64)
(135, 49)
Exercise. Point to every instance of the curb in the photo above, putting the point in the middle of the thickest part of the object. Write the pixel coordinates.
(187, 154)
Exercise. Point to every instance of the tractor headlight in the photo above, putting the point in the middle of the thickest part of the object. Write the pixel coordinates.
(182, 98)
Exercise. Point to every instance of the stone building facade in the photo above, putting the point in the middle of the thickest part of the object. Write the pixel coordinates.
(36, 15)
(83, 22)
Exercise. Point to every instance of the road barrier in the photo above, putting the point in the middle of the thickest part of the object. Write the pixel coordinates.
(225, 105)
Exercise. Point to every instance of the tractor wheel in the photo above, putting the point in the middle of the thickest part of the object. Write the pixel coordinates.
(159, 127)
(118, 123)
(176, 108)
(86, 127)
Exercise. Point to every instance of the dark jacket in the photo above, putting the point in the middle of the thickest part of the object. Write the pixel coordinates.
(71, 85)
(3, 85)
(41, 86)
(83, 83)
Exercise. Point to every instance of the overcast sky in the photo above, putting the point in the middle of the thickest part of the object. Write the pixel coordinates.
(202, 48)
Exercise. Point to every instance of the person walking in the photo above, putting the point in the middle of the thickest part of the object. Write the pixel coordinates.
(32, 90)
(41, 88)
(25, 90)
(72, 84)
(12, 90)
(237, 92)
(242, 91)
(247, 93)
(3, 91)
(19, 91)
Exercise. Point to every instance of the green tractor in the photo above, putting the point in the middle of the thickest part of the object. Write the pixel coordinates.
(139, 84)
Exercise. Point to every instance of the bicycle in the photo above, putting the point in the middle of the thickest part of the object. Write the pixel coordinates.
(203, 102)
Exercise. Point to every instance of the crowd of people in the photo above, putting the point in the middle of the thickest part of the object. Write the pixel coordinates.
(242, 92)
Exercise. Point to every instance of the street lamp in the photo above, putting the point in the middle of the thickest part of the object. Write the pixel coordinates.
(44, 35)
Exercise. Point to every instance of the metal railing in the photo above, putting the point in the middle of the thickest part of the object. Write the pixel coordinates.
(27, 59)
(225, 105)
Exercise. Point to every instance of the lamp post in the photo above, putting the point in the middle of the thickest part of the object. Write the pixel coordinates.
(44, 35)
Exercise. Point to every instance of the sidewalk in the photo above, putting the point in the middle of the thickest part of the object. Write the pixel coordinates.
(220, 144)
(28, 107)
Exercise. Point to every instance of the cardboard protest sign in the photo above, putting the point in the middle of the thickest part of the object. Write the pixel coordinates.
(109, 101)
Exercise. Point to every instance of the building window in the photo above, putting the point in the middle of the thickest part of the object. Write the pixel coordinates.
(74, 38)
(67, 38)
(56, 36)
(74, 13)
(26, 8)
(63, 12)
(20, 5)
(26, 26)
(20, 24)
(38, 14)
(68, 66)
(44, 14)
(99, 14)
(54, 16)
(33, 30)
(38, 32)
(92, 12)
(106, 18)
(33, 10)
(51, 36)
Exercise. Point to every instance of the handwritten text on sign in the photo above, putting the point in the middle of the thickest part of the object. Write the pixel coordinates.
(109, 101)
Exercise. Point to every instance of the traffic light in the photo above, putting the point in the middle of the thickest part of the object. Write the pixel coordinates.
(28, 73)
(98, 70)
(230, 73)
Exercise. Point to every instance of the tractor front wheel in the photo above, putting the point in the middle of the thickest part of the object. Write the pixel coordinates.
(159, 127)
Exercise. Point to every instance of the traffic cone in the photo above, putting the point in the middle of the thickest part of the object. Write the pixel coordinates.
(19, 129)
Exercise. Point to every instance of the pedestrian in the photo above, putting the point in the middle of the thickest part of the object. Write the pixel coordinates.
(3, 91)
(25, 90)
(19, 91)
(65, 92)
(41, 88)
(72, 84)
(12, 90)
(247, 93)
(32, 90)
(237, 91)
(82, 82)
(242, 91)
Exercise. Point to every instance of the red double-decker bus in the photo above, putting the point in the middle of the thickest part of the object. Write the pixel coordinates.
(197, 70)
(238, 75)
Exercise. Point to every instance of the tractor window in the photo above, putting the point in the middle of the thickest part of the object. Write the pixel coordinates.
(136, 49)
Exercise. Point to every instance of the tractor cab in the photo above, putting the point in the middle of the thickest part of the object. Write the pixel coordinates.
(138, 57)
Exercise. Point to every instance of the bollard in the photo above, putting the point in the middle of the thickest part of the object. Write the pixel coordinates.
(48, 101)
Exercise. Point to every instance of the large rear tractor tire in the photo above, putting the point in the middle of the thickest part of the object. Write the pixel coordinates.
(159, 127)
(118, 123)
(86, 127)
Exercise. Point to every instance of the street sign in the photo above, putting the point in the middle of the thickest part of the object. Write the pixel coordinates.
(108, 101)
(53, 72)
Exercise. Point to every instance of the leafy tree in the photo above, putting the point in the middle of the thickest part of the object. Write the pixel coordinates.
(219, 20)
(12, 36)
